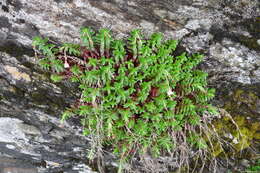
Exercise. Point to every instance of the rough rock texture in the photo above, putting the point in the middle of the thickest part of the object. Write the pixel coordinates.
(32, 139)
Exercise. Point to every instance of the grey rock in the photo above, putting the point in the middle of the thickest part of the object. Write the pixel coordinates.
(10, 131)
(8, 165)
(31, 133)
(199, 23)
(245, 162)
(238, 59)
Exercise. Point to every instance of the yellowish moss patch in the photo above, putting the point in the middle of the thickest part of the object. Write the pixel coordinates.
(238, 131)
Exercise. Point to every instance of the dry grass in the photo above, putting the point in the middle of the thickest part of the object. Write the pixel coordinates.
(183, 158)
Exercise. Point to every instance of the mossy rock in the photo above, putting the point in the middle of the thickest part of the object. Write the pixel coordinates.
(253, 27)
(243, 100)
(1, 97)
(239, 131)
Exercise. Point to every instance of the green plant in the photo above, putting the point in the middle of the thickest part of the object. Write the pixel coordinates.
(136, 96)
(254, 168)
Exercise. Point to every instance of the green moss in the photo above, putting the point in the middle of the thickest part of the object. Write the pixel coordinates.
(1, 97)
(217, 150)
(247, 97)
(243, 133)
(243, 101)
(249, 42)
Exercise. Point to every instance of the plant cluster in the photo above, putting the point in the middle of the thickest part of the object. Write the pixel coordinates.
(136, 95)
(254, 168)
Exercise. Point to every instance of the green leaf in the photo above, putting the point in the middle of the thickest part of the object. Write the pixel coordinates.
(164, 87)
(156, 117)
(141, 128)
(86, 132)
(194, 120)
(174, 123)
(45, 63)
(179, 117)
(119, 50)
(169, 115)
(73, 49)
(56, 78)
(66, 115)
(172, 44)
(131, 124)
(120, 123)
(93, 62)
(131, 104)
(155, 150)
(74, 79)
(201, 144)
(38, 41)
(213, 110)
(114, 116)
(86, 37)
(57, 65)
(171, 104)
(150, 106)
(155, 40)
(104, 40)
(84, 110)
(126, 114)
(75, 70)
(166, 143)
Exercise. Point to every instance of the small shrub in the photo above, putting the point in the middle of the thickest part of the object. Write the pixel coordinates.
(136, 95)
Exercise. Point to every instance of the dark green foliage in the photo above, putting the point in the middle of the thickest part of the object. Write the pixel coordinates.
(134, 93)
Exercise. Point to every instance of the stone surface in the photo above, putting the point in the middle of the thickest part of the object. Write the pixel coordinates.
(227, 32)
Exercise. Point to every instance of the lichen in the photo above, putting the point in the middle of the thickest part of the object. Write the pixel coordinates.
(16, 74)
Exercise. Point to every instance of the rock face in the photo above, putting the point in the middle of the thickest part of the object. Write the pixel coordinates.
(32, 139)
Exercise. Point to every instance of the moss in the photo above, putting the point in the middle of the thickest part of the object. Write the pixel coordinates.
(217, 150)
(243, 101)
(249, 42)
(246, 97)
(243, 133)
(1, 97)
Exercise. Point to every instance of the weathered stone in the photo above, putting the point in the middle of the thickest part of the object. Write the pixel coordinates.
(14, 72)
(227, 32)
